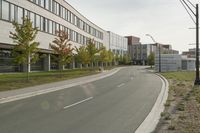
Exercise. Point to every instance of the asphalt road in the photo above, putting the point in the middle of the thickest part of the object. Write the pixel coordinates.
(116, 104)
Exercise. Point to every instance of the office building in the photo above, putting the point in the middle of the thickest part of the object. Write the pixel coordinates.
(48, 16)
(118, 44)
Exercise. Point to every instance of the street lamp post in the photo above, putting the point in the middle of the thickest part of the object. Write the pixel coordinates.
(197, 81)
(159, 50)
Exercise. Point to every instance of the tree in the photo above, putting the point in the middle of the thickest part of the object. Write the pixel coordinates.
(62, 48)
(151, 59)
(116, 59)
(82, 55)
(126, 59)
(110, 56)
(92, 51)
(103, 57)
(26, 49)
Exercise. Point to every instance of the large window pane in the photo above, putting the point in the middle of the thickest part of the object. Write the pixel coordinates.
(42, 3)
(38, 22)
(57, 27)
(54, 28)
(66, 14)
(57, 8)
(12, 12)
(50, 5)
(26, 13)
(42, 24)
(47, 4)
(46, 25)
(50, 27)
(19, 15)
(69, 15)
(63, 13)
(54, 7)
(32, 18)
(5, 10)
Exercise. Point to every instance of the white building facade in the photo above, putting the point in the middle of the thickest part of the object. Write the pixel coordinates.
(49, 16)
(118, 44)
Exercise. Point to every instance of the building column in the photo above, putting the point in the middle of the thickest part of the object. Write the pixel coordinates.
(47, 63)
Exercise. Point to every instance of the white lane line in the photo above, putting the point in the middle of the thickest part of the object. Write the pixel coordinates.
(78, 103)
(121, 85)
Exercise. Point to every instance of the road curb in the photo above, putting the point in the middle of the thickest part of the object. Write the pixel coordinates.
(152, 119)
(52, 89)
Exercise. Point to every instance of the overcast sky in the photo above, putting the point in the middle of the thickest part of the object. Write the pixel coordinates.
(166, 20)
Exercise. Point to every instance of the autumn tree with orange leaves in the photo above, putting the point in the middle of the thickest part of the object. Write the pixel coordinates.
(62, 48)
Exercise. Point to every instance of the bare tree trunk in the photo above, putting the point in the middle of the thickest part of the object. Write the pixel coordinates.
(28, 66)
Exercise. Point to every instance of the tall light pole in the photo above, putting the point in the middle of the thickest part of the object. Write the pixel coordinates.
(159, 54)
(197, 81)
(189, 7)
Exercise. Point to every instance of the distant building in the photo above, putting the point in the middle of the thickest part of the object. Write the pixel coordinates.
(188, 64)
(191, 53)
(169, 62)
(139, 52)
(132, 40)
(174, 62)
(118, 44)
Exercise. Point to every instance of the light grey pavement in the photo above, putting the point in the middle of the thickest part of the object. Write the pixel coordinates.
(115, 104)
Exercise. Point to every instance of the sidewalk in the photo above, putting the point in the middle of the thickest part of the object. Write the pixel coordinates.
(8, 96)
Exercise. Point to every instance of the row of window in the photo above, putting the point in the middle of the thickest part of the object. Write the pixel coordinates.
(61, 11)
(11, 12)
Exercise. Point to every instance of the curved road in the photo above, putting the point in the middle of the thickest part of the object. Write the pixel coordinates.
(116, 104)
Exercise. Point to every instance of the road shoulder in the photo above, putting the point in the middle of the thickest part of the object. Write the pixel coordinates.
(150, 122)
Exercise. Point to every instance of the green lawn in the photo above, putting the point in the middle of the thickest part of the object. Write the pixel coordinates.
(181, 113)
(181, 75)
(18, 80)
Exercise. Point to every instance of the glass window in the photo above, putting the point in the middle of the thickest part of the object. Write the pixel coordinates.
(38, 21)
(54, 28)
(12, 12)
(19, 15)
(50, 5)
(5, 10)
(72, 18)
(66, 14)
(57, 27)
(47, 4)
(50, 27)
(61, 28)
(42, 3)
(42, 24)
(68, 32)
(75, 20)
(57, 8)
(63, 13)
(26, 13)
(46, 25)
(69, 16)
(32, 18)
(53, 7)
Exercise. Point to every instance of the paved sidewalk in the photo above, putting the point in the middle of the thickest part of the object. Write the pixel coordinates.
(8, 96)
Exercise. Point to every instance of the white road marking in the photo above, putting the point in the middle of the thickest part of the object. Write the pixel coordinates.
(78, 103)
(121, 85)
